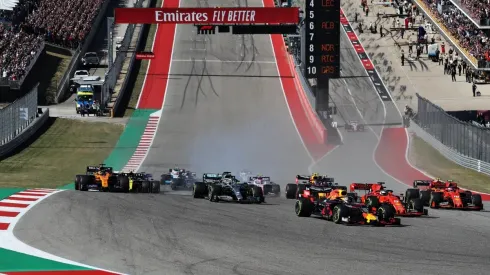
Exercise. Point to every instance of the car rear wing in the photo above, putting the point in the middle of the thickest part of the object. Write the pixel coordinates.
(302, 177)
(417, 183)
(136, 175)
(363, 186)
(209, 176)
(92, 170)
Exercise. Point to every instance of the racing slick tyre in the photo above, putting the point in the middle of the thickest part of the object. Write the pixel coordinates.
(85, 181)
(291, 190)
(386, 213)
(123, 182)
(214, 193)
(300, 189)
(476, 200)
(199, 190)
(276, 189)
(77, 182)
(435, 199)
(340, 211)
(372, 202)
(155, 187)
(303, 207)
(416, 205)
(258, 194)
(412, 193)
(145, 187)
(425, 197)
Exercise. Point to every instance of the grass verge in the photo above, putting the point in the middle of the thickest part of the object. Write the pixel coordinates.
(141, 68)
(428, 159)
(58, 152)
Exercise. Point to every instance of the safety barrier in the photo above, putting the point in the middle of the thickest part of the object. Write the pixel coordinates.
(451, 154)
(17, 116)
(19, 121)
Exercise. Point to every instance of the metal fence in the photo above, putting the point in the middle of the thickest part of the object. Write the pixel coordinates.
(451, 154)
(17, 116)
(464, 138)
(114, 71)
(16, 84)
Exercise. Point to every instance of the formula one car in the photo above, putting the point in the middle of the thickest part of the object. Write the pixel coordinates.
(178, 178)
(225, 187)
(439, 194)
(293, 190)
(354, 126)
(340, 208)
(101, 178)
(142, 183)
(268, 187)
(408, 205)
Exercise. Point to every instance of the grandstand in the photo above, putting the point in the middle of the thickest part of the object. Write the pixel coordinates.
(461, 22)
(26, 26)
(477, 10)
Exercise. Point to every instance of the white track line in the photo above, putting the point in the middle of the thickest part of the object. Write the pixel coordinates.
(11, 242)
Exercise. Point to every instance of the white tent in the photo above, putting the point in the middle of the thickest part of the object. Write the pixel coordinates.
(8, 4)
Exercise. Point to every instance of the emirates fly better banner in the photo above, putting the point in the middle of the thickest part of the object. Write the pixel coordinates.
(247, 15)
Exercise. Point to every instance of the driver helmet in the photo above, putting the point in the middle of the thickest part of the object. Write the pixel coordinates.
(383, 192)
(314, 175)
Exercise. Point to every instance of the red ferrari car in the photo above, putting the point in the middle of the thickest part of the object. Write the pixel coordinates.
(440, 194)
(409, 205)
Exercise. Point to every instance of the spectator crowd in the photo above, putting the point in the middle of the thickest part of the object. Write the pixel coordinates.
(64, 22)
(23, 30)
(462, 28)
(478, 9)
(17, 50)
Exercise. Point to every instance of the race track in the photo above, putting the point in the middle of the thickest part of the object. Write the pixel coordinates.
(220, 123)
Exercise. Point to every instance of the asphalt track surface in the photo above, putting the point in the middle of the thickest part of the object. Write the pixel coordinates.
(243, 122)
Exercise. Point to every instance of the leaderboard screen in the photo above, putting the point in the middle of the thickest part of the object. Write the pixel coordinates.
(322, 39)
